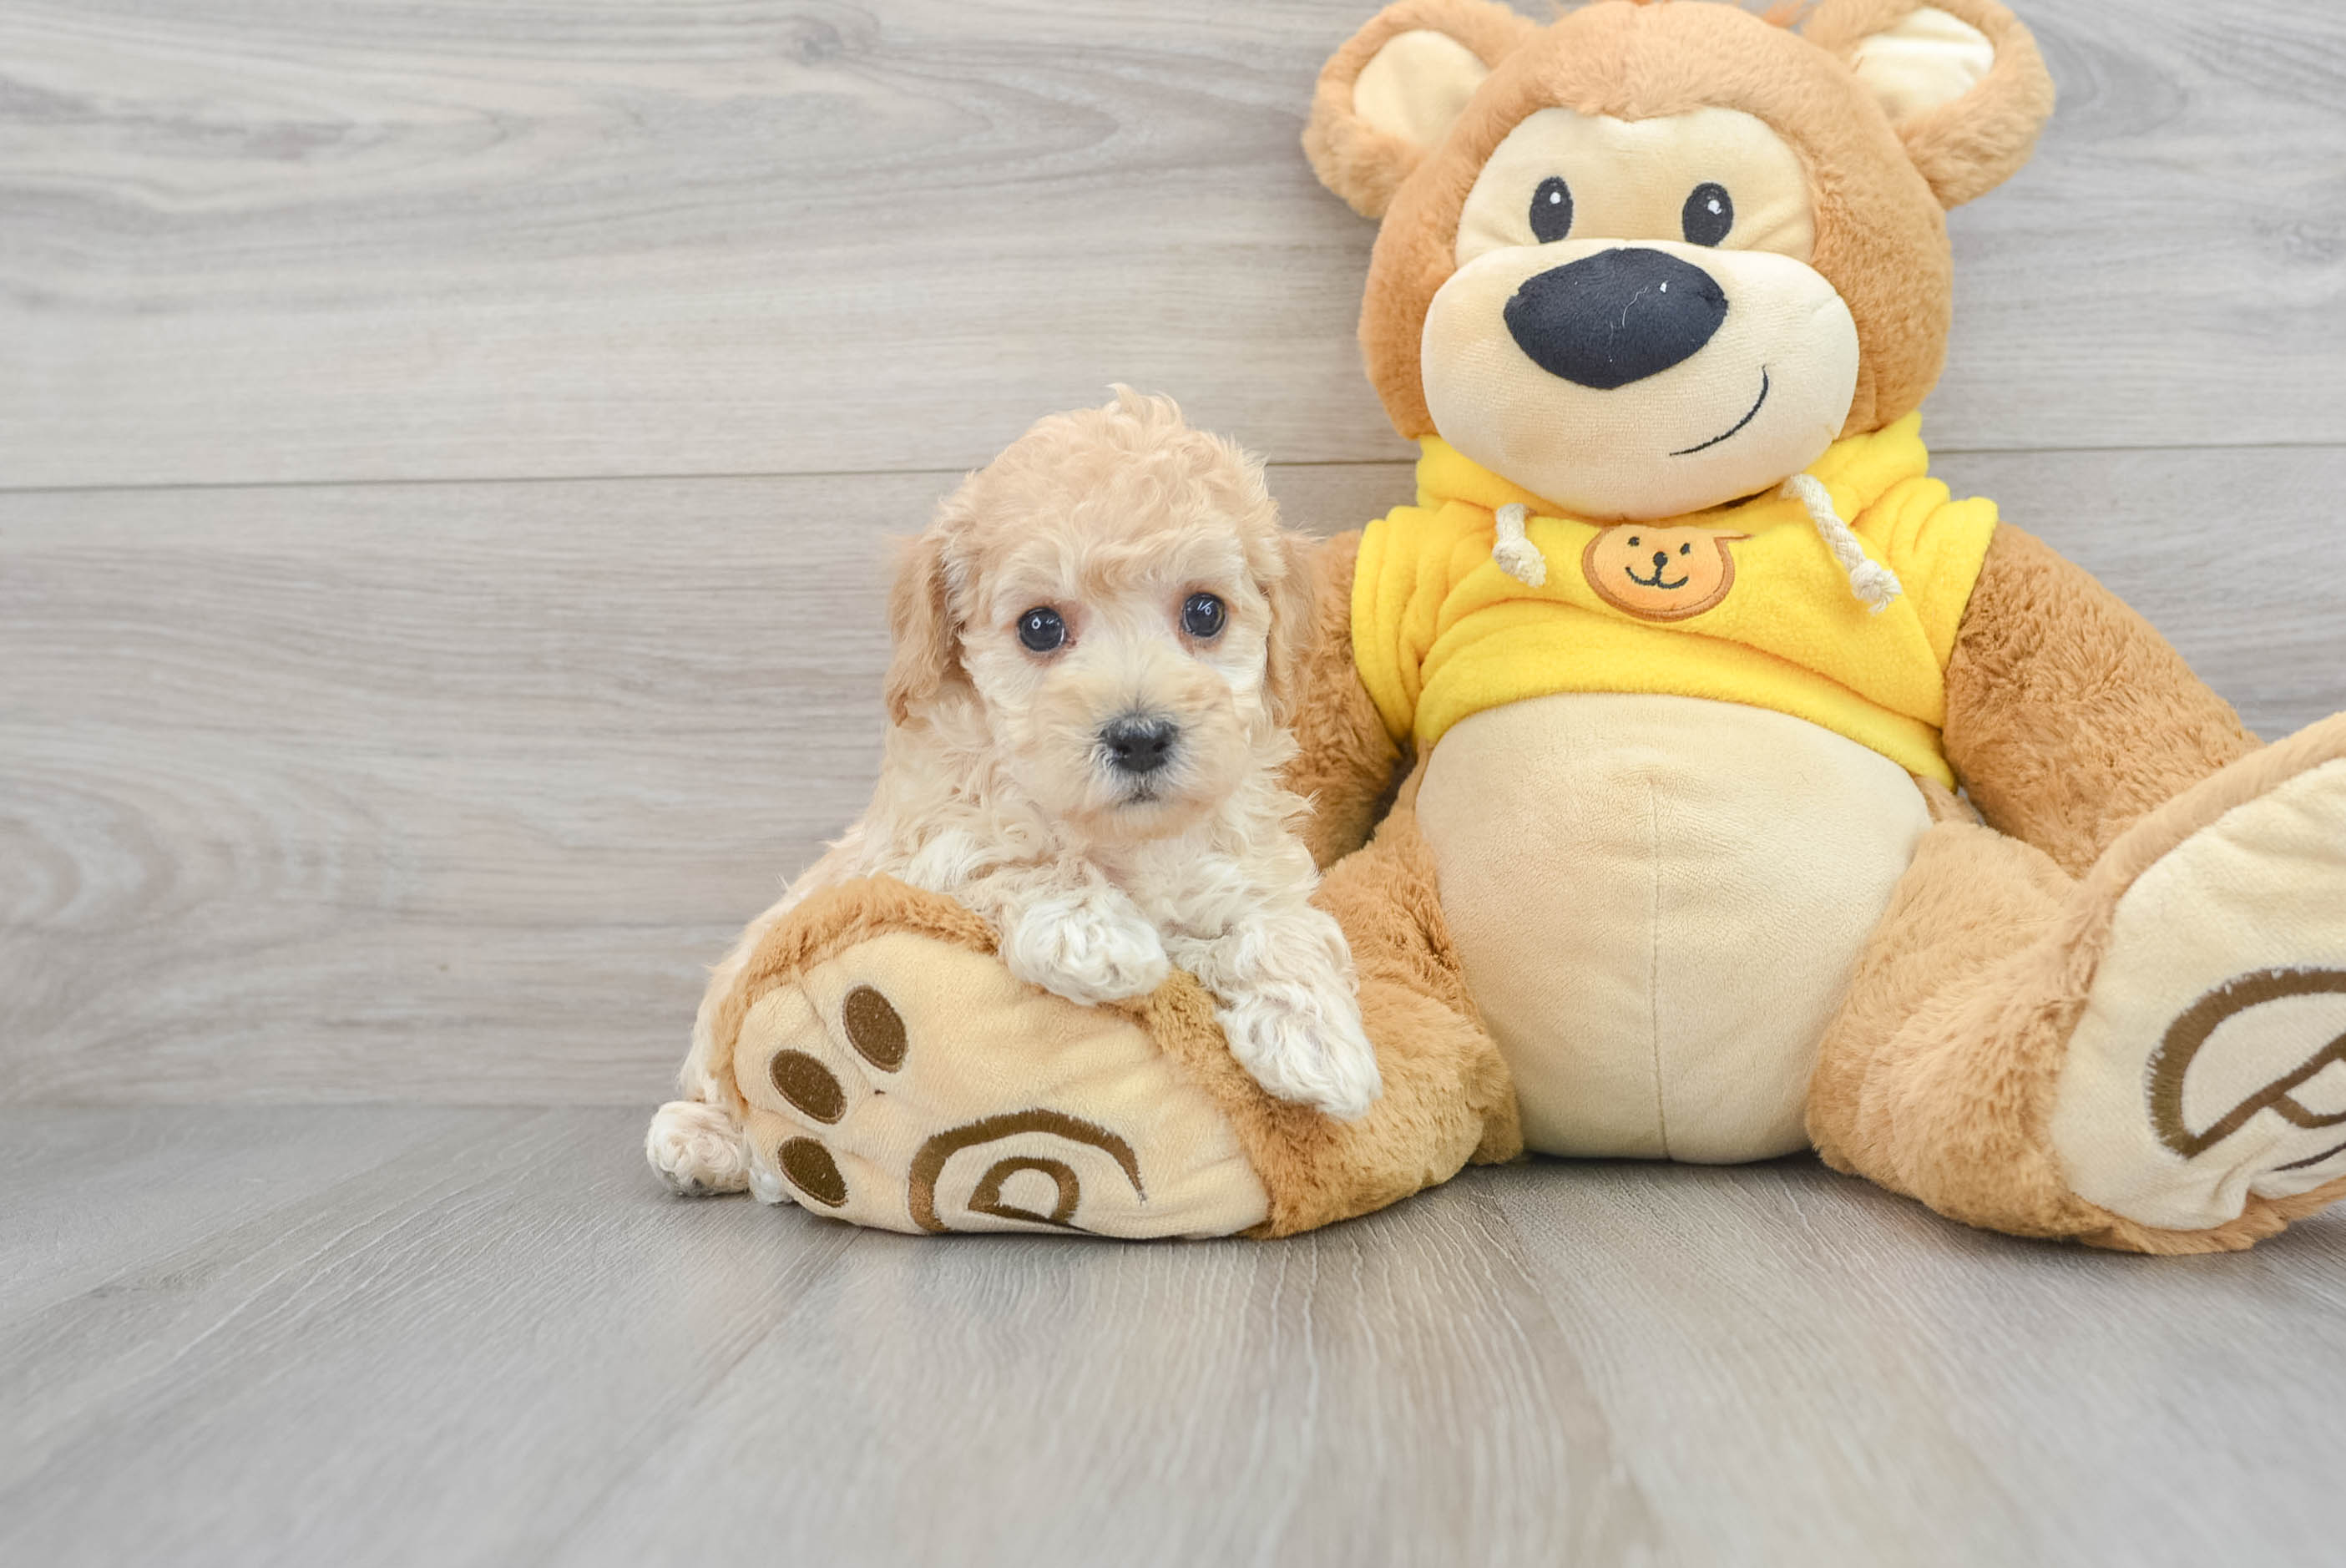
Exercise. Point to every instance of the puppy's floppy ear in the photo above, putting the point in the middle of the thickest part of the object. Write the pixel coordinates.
(920, 618)
(1389, 96)
(1961, 82)
(1293, 586)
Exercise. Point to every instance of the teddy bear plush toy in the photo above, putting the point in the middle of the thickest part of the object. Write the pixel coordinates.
(1638, 737)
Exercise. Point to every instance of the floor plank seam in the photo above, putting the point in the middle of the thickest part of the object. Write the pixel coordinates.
(956, 471)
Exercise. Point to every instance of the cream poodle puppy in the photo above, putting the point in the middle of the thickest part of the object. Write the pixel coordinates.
(1094, 641)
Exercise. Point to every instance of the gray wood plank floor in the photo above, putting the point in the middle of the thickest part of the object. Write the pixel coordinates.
(446, 452)
(450, 1335)
(447, 792)
(280, 239)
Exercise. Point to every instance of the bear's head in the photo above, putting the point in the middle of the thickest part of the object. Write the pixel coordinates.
(1658, 255)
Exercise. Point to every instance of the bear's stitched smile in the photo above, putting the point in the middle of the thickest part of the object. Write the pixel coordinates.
(1740, 423)
(1656, 580)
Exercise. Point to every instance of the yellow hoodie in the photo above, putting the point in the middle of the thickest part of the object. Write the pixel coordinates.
(1745, 602)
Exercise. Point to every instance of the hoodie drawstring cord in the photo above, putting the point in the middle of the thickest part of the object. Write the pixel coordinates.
(1517, 556)
(1874, 583)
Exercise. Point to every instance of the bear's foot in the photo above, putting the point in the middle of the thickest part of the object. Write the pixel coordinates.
(2205, 1078)
(904, 1079)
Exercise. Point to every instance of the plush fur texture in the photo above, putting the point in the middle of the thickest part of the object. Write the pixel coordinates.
(1448, 1099)
(1352, 157)
(1881, 234)
(694, 1144)
(1346, 764)
(998, 784)
(1965, 148)
(2068, 717)
(2092, 755)
(1938, 1060)
(1937, 1079)
(826, 922)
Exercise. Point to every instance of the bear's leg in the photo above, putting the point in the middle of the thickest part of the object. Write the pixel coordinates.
(887, 1069)
(2069, 719)
(2151, 1057)
(1448, 1100)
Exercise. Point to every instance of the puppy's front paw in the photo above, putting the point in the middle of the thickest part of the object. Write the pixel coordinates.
(1085, 948)
(697, 1149)
(1305, 1046)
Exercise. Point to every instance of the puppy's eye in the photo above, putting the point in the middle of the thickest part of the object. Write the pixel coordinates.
(1202, 616)
(1041, 629)
(1709, 214)
(1552, 210)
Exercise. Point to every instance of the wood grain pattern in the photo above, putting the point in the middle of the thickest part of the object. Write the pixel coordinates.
(1975, 1398)
(445, 792)
(498, 1312)
(333, 791)
(345, 240)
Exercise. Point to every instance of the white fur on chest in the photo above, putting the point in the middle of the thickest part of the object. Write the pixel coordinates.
(1659, 902)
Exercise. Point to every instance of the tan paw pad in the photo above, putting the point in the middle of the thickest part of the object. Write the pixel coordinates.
(2210, 1062)
(914, 1084)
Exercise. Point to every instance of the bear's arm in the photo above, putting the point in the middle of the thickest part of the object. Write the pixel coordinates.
(2067, 716)
(1348, 764)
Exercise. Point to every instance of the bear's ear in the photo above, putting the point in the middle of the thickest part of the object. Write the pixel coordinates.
(1389, 96)
(1961, 80)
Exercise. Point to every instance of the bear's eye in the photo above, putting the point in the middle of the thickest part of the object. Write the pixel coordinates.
(1709, 214)
(1686, 549)
(1042, 629)
(1552, 210)
(1633, 541)
(1201, 616)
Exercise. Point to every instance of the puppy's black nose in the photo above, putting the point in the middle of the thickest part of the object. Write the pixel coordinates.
(1139, 745)
(1616, 317)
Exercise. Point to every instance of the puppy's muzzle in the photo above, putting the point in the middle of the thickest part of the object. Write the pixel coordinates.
(1139, 744)
(1616, 317)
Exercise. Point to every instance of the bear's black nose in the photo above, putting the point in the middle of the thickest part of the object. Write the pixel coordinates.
(1138, 745)
(1661, 559)
(1615, 317)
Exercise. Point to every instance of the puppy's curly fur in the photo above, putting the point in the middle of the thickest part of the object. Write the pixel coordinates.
(1001, 783)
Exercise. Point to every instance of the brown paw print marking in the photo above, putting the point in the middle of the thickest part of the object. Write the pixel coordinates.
(929, 1164)
(813, 1172)
(988, 1197)
(874, 1028)
(2200, 1021)
(808, 1085)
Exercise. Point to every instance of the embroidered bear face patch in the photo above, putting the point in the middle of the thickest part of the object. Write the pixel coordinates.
(1660, 574)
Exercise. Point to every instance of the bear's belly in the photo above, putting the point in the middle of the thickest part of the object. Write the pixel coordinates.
(1659, 901)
